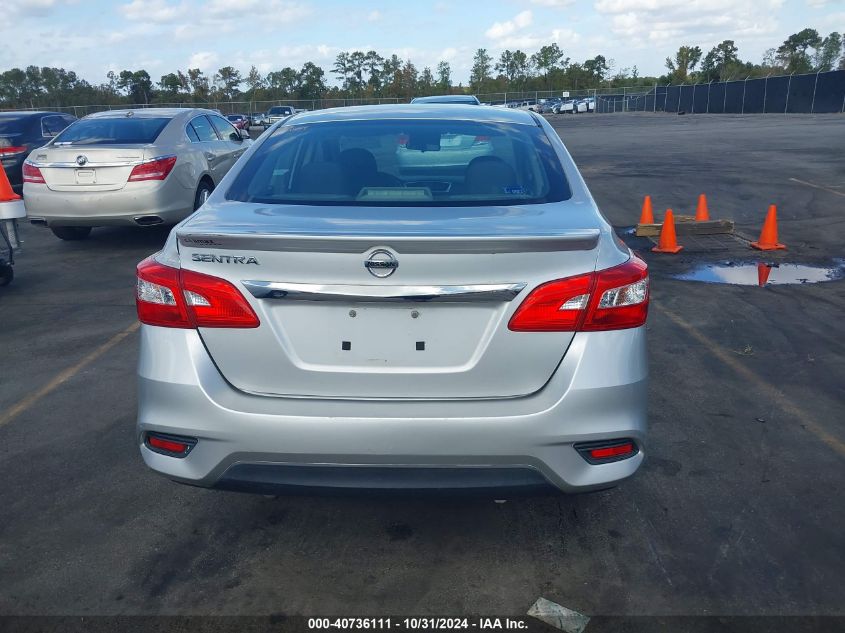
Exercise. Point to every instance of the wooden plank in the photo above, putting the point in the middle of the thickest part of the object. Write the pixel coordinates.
(686, 225)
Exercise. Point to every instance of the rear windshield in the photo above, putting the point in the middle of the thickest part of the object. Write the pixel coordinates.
(403, 163)
(112, 130)
(11, 124)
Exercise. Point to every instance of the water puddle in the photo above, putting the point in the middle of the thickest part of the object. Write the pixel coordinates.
(764, 273)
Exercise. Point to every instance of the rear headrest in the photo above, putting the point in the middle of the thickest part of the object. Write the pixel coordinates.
(489, 174)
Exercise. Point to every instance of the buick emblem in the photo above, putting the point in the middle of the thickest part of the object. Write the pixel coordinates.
(381, 263)
(81, 160)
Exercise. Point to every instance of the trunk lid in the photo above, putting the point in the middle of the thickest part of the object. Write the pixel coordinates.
(434, 327)
(88, 167)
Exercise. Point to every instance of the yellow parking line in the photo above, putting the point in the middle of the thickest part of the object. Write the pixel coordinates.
(810, 184)
(771, 392)
(65, 375)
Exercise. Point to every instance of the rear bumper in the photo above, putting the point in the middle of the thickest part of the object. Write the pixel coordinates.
(169, 200)
(267, 444)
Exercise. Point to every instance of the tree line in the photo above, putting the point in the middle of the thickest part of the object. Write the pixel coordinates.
(369, 75)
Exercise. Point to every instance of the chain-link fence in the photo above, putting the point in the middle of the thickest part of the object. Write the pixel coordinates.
(809, 93)
(812, 93)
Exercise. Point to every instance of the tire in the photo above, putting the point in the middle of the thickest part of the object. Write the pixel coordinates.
(71, 233)
(7, 273)
(203, 191)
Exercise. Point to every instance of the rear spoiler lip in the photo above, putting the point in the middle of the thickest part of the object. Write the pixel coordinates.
(572, 240)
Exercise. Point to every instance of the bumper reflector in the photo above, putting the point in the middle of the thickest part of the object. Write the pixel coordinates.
(607, 451)
(171, 445)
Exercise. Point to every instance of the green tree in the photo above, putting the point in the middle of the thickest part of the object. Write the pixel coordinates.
(312, 83)
(546, 60)
(793, 55)
(285, 81)
(200, 89)
(482, 64)
(254, 80)
(227, 80)
(720, 61)
(596, 68)
(827, 54)
(685, 60)
(444, 76)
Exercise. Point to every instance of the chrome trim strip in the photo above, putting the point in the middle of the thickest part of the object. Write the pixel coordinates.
(573, 240)
(328, 292)
(131, 163)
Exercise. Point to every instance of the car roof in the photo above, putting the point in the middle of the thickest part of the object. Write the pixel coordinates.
(20, 114)
(446, 99)
(149, 112)
(454, 112)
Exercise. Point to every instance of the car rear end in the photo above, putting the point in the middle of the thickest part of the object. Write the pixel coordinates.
(17, 139)
(487, 335)
(120, 168)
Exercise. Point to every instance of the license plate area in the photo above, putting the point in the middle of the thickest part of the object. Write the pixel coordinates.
(86, 177)
(384, 337)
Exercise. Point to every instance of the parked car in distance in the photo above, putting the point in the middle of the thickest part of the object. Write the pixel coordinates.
(564, 106)
(548, 105)
(277, 113)
(579, 106)
(23, 131)
(451, 99)
(258, 119)
(129, 167)
(240, 121)
(396, 297)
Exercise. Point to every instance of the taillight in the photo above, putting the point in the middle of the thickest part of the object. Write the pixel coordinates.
(10, 151)
(170, 297)
(154, 169)
(31, 173)
(607, 451)
(172, 445)
(611, 299)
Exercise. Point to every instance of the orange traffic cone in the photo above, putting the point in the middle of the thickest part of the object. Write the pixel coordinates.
(647, 216)
(763, 272)
(668, 243)
(701, 212)
(6, 193)
(769, 235)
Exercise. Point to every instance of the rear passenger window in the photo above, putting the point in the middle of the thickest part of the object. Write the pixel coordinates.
(52, 125)
(192, 134)
(203, 129)
(225, 128)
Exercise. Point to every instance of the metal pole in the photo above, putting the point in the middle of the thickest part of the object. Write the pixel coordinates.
(654, 103)
(708, 96)
(813, 102)
(765, 90)
(744, 86)
(694, 86)
(666, 97)
(725, 101)
(788, 85)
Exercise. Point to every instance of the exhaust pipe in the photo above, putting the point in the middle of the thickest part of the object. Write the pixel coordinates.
(148, 220)
(38, 221)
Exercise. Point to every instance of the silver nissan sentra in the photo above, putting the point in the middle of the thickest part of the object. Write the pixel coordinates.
(129, 167)
(411, 298)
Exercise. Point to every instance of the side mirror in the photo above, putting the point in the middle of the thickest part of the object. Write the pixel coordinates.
(244, 134)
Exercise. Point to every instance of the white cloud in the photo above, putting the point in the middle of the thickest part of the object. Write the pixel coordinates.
(645, 23)
(204, 60)
(503, 29)
(159, 11)
(559, 4)
(374, 16)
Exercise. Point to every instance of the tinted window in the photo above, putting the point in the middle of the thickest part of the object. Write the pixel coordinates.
(108, 130)
(403, 163)
(225, 128)
(283, 110)
(203, 129)
(52, 125)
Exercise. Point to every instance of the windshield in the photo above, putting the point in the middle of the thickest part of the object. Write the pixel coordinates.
(403, 163)
(280, 110)
(112, 130)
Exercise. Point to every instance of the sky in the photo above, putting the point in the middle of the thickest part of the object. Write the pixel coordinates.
(92, 37)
